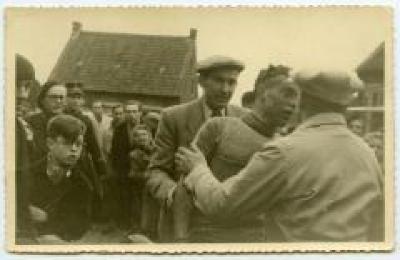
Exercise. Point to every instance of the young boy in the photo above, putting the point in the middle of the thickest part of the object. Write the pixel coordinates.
(61, 192)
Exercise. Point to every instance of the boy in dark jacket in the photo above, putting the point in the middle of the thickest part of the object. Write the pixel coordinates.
(61, 192)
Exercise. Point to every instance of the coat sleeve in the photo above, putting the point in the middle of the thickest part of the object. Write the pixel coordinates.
(253, 190)
(208, 137)
(160, 174)
(116, 150)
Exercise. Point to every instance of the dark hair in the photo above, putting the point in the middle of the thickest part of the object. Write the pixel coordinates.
(270, 76)
(66, 126)
(117, 106)
(134, 102)
(43, 91)
(248, 97)
(23, 68)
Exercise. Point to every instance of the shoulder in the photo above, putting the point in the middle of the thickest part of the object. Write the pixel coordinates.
(180, 112)
(237, 111)
(36, 119)
(181, 108)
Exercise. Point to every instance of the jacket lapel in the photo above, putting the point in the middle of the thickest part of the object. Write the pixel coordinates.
(194, 119)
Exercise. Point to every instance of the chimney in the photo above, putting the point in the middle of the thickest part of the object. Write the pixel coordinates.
(76, 29)
(193, 33)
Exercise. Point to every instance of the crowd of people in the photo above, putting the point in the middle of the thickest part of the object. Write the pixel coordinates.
(205, 171)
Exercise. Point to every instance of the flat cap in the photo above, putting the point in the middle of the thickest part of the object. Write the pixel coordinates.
(218, 61)
(23, 68)
(337, 87)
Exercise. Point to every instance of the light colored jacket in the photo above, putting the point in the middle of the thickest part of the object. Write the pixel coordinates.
(321, 183)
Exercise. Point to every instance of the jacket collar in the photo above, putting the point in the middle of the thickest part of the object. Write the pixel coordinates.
(257, 124)
(323, 119)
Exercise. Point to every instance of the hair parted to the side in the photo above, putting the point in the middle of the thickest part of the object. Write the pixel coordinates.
(66, 126)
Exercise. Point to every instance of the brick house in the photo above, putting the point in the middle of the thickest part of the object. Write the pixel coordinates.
(157, 70)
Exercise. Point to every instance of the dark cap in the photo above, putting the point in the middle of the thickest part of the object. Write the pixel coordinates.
(23, 68)
(218, 61)
(336, 87)
(66, 126)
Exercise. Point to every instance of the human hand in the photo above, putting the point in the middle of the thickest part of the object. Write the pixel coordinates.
(37, 215)
(188, 158)
(50, 240)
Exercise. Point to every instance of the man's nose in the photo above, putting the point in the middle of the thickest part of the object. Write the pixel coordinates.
(226, 87)
(74, 147)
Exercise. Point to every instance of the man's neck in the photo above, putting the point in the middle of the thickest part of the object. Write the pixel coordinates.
(98, 117)
(131, 124)
(53, 165)
(74, 111)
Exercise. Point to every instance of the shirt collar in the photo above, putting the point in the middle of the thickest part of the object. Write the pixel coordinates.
(55, 172)
(323, 119)
(208, 111)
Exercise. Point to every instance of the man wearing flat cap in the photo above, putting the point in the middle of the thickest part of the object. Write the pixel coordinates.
(320, 183)
(178, 125)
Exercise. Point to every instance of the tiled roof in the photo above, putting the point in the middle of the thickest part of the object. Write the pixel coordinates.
(125, 63)
(372, 68)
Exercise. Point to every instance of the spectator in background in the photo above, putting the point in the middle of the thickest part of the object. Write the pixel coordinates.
(92, 161)
(117, 119)
(51, 101)
(24, 76)
(139, 159)
(248, 99)
(61, 191)
(123, 143)
(151, 120)
(102, 122)
(356, 125)
(376, 141)
(110, 183)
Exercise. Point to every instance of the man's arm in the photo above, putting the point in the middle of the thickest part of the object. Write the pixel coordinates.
(253, 190)
(160, 182)
(208, 137)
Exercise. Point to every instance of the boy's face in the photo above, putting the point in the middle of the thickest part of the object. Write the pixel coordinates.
(132, 113)
(66, 153)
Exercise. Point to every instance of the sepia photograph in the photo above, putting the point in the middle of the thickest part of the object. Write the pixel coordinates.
(199, 130)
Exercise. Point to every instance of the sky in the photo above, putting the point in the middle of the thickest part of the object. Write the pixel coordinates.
(298, 37)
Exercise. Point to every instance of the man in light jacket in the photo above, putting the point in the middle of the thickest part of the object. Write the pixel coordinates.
(321, 183)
